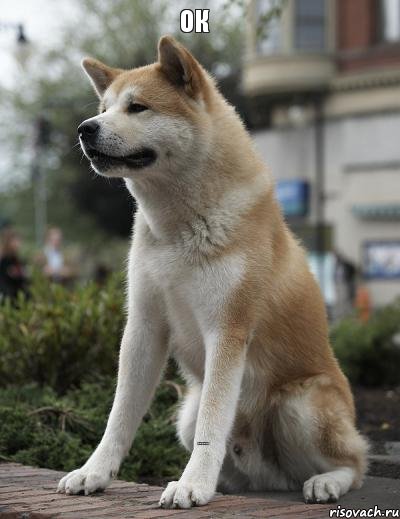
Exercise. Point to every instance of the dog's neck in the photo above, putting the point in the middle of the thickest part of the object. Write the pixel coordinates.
(198, 216)
(174, 210)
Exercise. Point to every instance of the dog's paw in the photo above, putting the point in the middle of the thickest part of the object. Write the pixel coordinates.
(181, 494)
(84, 481)
(321, 488)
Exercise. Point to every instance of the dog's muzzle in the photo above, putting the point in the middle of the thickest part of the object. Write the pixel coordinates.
(88, 132)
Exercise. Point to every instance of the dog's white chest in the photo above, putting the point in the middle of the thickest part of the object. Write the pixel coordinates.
(195, 295)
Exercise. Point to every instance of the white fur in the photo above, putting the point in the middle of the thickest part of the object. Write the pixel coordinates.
(323, 488)
(179, 287)
(142, 357)
(164, 133)
(214, 421)
(164, 288)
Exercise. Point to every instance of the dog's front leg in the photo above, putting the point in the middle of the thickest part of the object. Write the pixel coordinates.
(225, 361)
(142, 356)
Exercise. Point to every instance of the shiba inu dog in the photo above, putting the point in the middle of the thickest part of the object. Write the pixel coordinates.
(217, 280)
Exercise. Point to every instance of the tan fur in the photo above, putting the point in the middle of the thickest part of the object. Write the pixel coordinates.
(264, 333)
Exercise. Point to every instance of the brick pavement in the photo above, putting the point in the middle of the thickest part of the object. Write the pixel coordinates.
(29, 493)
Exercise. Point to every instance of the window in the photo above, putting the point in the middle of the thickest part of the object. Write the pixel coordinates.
(381, 260)
(310, 26)
(390, 20)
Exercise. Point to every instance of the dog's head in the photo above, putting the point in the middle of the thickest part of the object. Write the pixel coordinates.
(152, 119)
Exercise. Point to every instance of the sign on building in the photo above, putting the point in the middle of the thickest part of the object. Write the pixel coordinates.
(293, 195)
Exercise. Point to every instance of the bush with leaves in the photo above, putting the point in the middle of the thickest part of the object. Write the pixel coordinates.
(61, 337)
(58, 360)
(40, 428)
(369, 353)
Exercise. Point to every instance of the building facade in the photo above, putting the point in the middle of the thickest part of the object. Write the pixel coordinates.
(323, 88)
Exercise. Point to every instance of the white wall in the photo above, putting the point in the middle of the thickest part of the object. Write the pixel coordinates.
(362, 165)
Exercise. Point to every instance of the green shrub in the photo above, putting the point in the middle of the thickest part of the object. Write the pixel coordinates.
(40, 428)
(61, 337)
(369, 353)
(58, 360)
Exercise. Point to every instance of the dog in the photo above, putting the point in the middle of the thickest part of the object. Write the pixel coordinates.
(217, 280)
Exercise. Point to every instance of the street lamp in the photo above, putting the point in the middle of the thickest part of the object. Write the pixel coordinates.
(21, 37)
(19, 28)
(41, 133)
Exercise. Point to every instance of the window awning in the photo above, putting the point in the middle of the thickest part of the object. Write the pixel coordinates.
(382, 211)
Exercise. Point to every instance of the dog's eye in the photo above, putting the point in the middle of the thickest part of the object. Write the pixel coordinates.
(135, 108)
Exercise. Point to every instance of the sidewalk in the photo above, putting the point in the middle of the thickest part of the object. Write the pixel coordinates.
(29, 493)
(376, 491)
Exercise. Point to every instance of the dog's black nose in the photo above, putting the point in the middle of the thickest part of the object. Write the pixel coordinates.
(88, 130)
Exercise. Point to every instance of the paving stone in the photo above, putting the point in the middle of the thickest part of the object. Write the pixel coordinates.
(30, 493)
(385, 465)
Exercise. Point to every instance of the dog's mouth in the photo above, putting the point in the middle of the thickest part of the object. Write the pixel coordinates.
(140, 159)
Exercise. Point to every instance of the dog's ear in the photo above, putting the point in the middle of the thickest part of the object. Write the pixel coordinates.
(100, 75)
(180, 67)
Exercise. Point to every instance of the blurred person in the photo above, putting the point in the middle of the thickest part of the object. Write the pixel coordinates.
(345, 283)
(55, 267)
(101, 274)
(363, 303)
(13, 278)
(346, 271)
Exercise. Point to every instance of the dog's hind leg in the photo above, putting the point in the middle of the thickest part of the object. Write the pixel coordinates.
(329, 486)
(317, 442)
(340, 445)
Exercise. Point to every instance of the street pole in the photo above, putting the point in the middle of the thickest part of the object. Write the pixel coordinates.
(41, 139)
(40, 202)
(320, 189)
